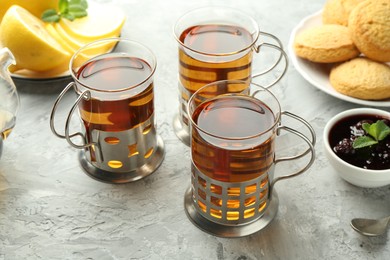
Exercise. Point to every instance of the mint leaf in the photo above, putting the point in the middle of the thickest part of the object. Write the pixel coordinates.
(68, 9)
(77, 10)
(68, 16)
(50, 16)
(383, 130)
(84, 3)
(366, 127)
(363, 141)
(373, 131)
(377, 131)
(79, 2)
(80, 14)
(63, 6)
(76, 7)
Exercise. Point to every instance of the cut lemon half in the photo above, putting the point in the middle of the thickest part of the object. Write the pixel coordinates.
(102, 21)
(30, 42)
(36, 7)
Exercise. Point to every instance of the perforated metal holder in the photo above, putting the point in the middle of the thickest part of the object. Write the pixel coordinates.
(229, 209)
(123, 156)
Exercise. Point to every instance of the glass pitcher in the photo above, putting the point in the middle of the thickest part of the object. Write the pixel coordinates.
(9, 99)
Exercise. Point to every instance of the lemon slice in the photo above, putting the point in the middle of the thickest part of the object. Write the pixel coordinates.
(102, 21)
(73, 42)
(50, 27)
(29, 41)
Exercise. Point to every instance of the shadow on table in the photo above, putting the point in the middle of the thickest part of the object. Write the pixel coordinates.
(42, 87)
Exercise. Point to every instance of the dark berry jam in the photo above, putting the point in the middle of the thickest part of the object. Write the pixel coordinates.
(345, 131)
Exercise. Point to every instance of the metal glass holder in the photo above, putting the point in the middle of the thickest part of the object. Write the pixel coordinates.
(207, 201)
(181, 130)
(147, 168)
(125, 156)
(114, 157)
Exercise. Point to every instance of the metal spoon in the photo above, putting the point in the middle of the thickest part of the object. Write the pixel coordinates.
(370, 227)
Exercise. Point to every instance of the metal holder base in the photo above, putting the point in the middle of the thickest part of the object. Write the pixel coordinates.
(124, 177)
(229, 231)
(181, 131)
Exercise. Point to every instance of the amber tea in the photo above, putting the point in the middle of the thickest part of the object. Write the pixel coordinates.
(114, 73)
(215, 41)
(239, 155)
(232, 117)
(219, 43)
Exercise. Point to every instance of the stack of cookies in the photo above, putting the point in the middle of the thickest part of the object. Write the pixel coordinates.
(355, 37)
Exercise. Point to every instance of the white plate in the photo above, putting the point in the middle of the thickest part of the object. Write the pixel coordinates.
(318, 74)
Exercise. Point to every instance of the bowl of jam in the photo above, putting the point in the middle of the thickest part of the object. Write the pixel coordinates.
(357, 144)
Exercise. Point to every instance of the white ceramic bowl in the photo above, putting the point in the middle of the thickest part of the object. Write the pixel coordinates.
(355, 175)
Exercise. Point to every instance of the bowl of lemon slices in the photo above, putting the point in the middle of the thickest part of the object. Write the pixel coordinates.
(43, 47)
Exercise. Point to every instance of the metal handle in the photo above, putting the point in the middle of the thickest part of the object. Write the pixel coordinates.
(54, 109)
(282, 54)
(87, 95)
(309, 142)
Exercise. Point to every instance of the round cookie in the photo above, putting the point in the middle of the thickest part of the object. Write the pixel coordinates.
(325, 44)
(337, 11)
(369, 24)
(362, 78)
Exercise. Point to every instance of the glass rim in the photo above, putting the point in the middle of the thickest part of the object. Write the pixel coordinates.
(254, 39)
(277, 117)
(117, 40)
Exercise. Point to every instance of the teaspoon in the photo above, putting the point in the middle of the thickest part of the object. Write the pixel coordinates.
(370, 227)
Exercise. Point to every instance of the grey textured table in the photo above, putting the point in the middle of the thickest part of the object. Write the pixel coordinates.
(50, 209)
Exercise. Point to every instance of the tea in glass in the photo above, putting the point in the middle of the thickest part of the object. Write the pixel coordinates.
(114, 73)
(214, 44)
(233, 157)
(116, 104)
(196, 71)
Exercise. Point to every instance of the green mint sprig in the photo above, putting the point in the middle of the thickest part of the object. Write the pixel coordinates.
(376, 132)
(68, 9)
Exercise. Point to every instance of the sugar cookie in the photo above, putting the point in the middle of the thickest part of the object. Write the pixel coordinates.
(369, 24)
(337, 11)
(326, 44)
(362, 78)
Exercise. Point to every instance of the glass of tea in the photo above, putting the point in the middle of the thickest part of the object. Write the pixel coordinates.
(233, 152)
(113, 79)
(8, 95)
(216, 43)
